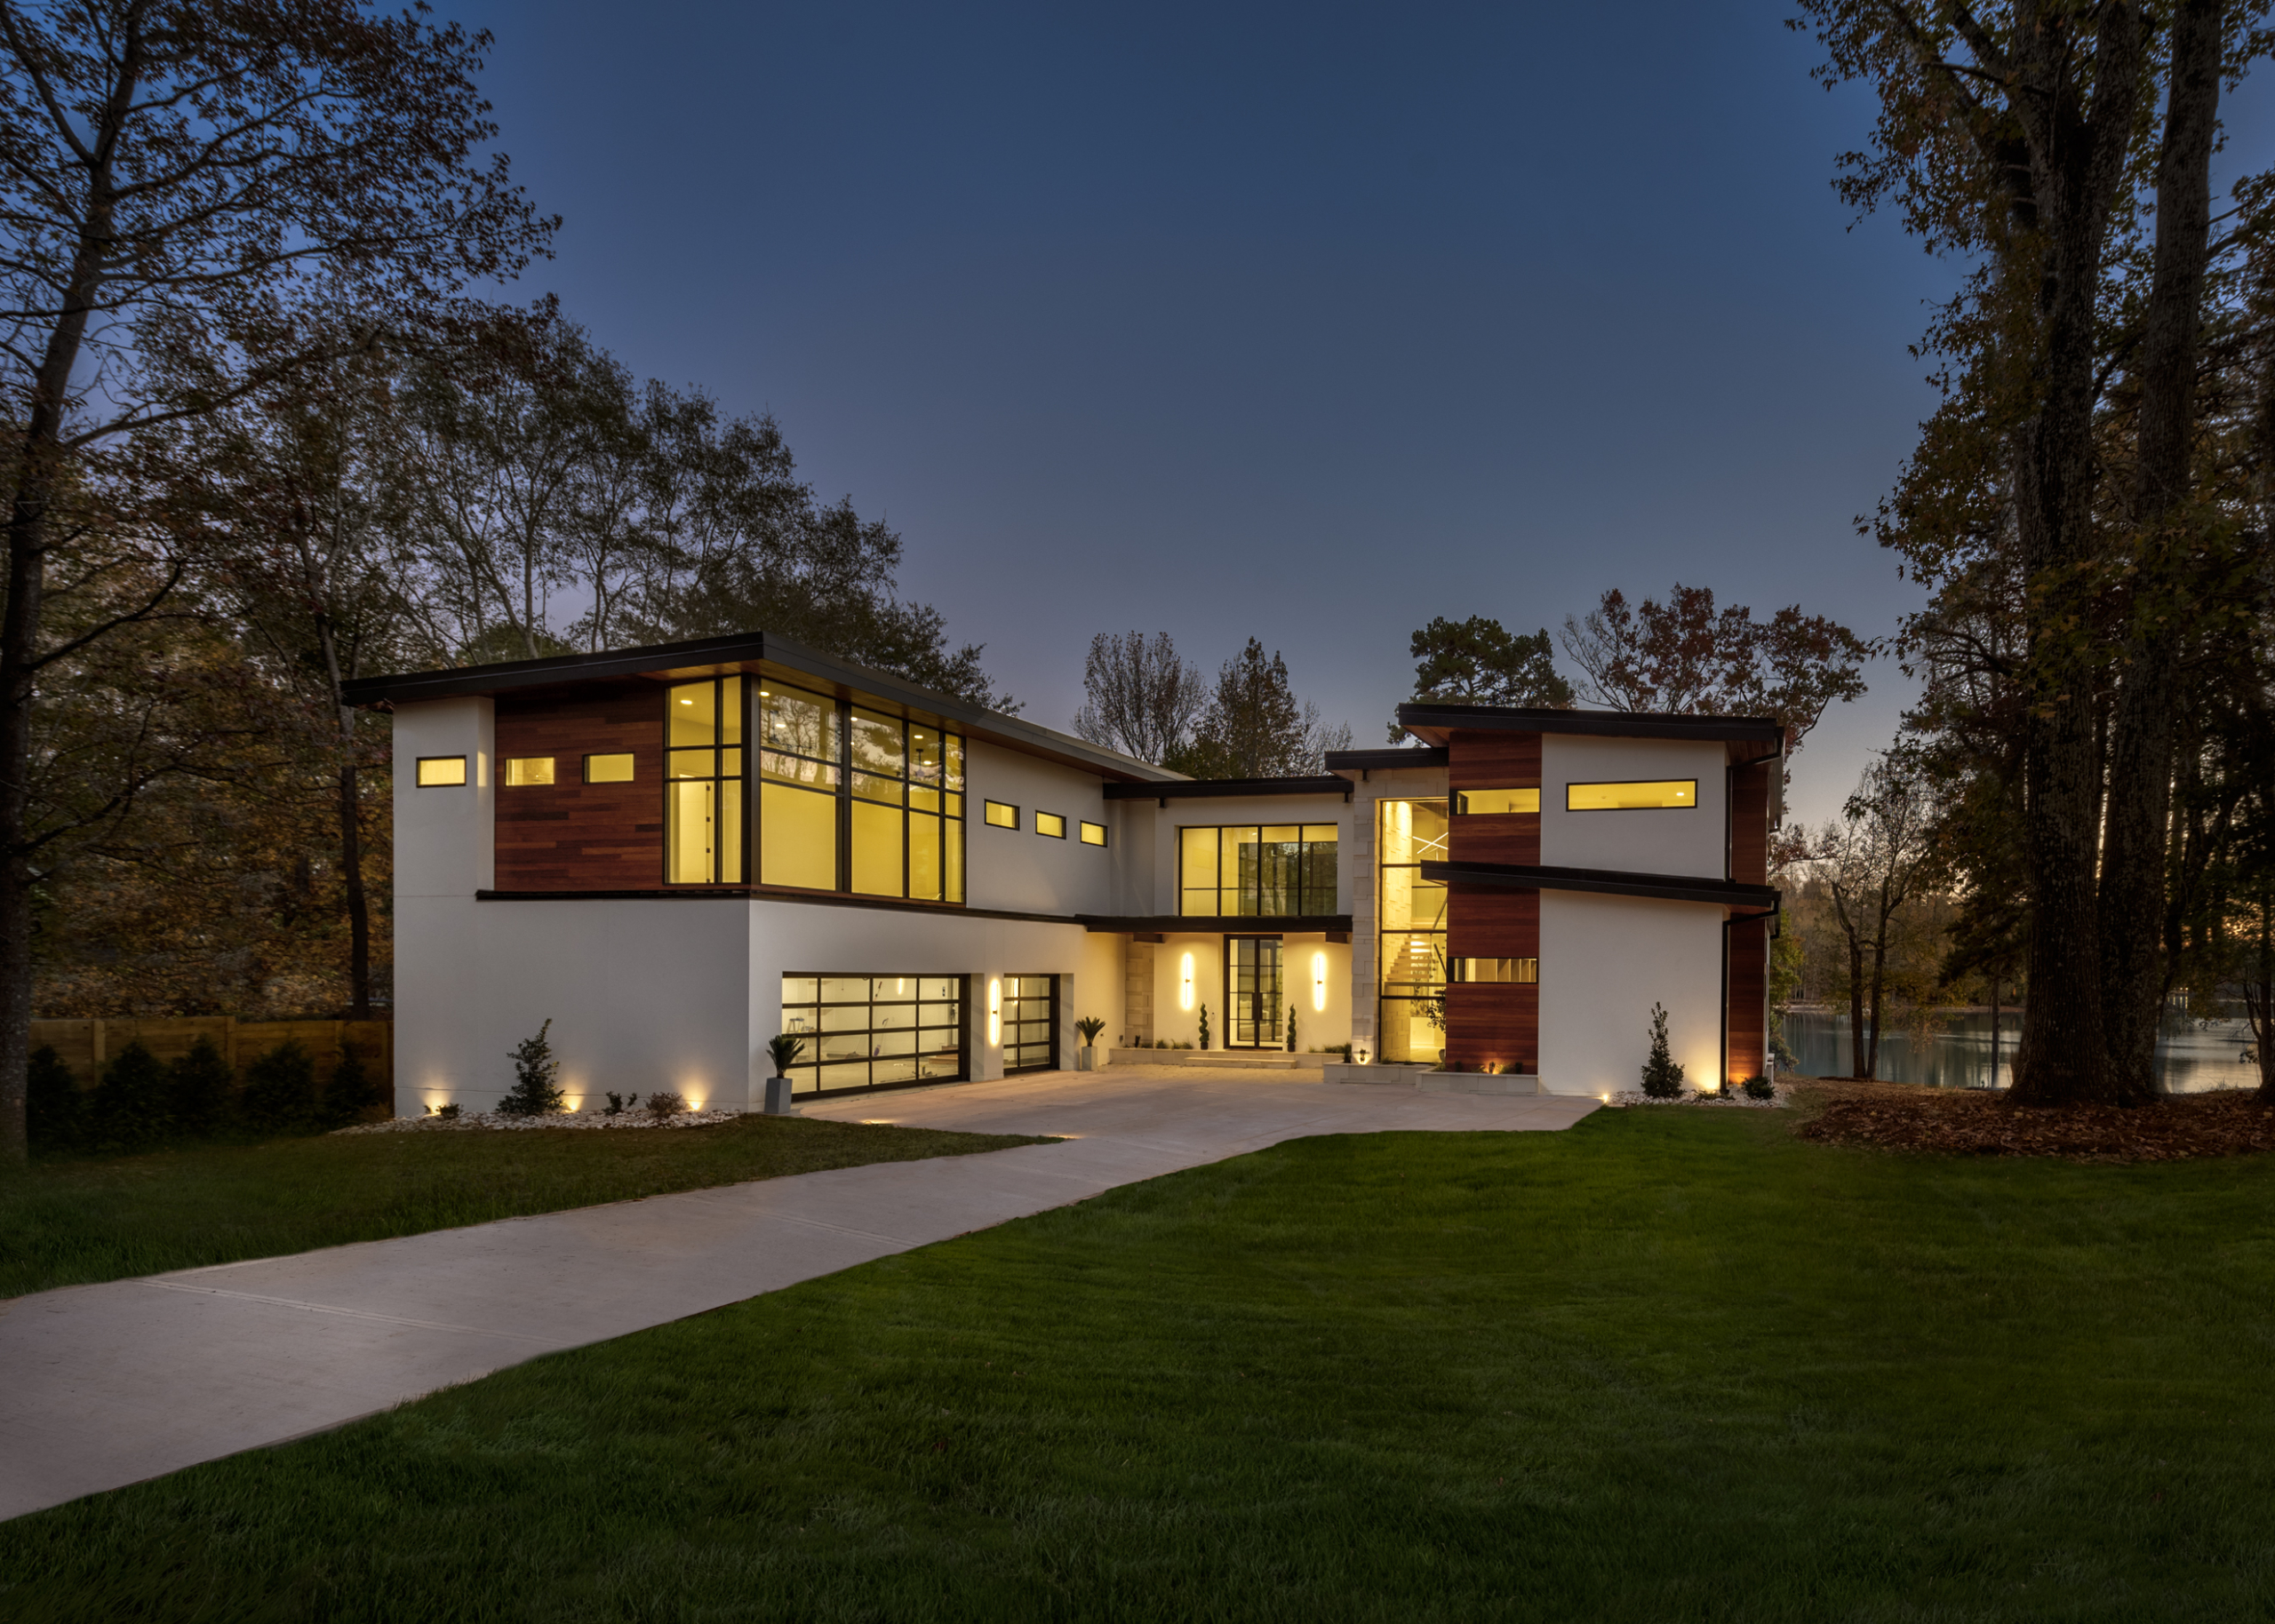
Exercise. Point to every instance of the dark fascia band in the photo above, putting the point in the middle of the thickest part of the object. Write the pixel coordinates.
(1200, 789)
(1603, 882)
(1218, 924)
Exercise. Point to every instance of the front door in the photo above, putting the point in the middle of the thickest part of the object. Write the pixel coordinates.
(1252, 975)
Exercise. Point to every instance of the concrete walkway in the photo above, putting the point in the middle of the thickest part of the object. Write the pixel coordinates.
(108, 1385)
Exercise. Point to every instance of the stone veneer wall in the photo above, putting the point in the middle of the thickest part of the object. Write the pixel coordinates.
(1138, 994)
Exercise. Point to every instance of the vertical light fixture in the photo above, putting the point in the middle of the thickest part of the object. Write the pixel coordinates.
(1319, 980)
(1185, 988)
(994, 1013)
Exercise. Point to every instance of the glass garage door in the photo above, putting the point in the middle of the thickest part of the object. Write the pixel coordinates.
(874, 1031)
(1030, 1024)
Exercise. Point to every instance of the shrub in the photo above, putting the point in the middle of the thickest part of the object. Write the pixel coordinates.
(534, 1092)
(619, 1102)
(55, 1110)
(280, 1095)
(198, 1088)
(667, 1103)
(1759, 1088)
(131, 1108)
(1662, 1077)
(352, 1091)
(448, 1113)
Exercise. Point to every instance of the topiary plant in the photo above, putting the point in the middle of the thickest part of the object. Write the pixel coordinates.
(1291, 1028)
(784, 1051)
(198, 1088)
(1204, 1026)
(534, 1092)
(1662, 1077)
(280, 1095)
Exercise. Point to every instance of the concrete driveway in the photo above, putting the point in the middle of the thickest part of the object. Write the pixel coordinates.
(111, 1384)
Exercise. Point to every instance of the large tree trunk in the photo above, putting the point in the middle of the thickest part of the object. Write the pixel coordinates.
(2141, 731)
(1856, 1066)
(1880, 980)
(2077, 156)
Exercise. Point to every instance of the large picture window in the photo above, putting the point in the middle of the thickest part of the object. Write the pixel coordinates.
(1256, 871)
(703, 782)
(1412, 919)
(850, 800)
(874, 1031)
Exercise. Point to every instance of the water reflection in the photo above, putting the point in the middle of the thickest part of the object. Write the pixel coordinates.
(2192, 1056)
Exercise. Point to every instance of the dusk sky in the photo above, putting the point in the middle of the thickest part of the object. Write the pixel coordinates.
(1303, 322)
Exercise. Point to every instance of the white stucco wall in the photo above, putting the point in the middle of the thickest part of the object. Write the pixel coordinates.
(1210, 813)
(1604, 960)
(1314, 1027)
(1018, 869)
(1658, 840)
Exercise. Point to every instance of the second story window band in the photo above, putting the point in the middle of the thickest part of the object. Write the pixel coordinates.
(1260, 870)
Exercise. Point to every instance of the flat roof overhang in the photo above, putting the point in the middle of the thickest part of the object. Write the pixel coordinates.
(1436, 724)
(1203, 789)
(1218, 924)
(1603, 882)
(761, 654)
(1364, 762)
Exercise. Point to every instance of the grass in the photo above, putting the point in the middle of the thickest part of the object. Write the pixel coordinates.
(72, 1222)
(1669, 1365)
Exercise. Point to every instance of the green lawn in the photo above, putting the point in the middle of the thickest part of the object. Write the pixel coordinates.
(1669, 1365)
(67, 1222)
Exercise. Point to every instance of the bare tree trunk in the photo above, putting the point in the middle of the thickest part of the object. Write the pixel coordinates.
(2077, 160)
(1856, 1066)
(1994, 1032)
(1880, 979)
(2142, 728)
(359, 908)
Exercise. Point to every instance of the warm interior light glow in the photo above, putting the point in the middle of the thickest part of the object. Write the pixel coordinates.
(1319, 980)
(1185, 986)
(994, 1013)
(1361, 1054)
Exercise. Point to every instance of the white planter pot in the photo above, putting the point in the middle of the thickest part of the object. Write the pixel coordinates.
(1086, 1060)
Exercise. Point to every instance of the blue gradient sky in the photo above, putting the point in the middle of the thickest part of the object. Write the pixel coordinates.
(1308, 322)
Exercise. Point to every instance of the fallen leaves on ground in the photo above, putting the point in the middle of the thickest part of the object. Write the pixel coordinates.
(1977, 1122)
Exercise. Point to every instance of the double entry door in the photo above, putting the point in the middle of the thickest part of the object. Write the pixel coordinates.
(1254, 986)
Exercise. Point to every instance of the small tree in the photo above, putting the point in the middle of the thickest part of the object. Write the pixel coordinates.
(58, 1109)
(280, 1093)
(130, 1107)
(1204, 1026)
(351, 1090)
(197, 1087)
(1662, 1077)
(534, 1092)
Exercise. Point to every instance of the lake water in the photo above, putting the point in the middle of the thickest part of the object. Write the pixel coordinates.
(2192, 1056)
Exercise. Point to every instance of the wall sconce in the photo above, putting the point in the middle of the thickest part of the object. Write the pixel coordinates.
(994, 1013)
(1185, 988)
(1319, 980)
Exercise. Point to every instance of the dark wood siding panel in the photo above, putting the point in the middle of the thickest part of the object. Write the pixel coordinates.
(1488, 760)
(1750, 822)
(1493, 924)
(1749, 1004)
(570, 835)
(1498, 837)
(1493, 1021)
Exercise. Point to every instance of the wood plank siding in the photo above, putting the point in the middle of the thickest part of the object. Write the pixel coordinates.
(1750, 822)
(1749, 995)
(1494, 1022)
(570, 835)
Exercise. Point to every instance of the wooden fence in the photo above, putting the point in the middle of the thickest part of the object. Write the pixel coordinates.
(86, 1045)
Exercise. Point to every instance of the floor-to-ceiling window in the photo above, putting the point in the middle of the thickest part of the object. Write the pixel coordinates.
(853, 800)
(1256, 870)
(703, 782)
(1412, 918)
(874, 1031)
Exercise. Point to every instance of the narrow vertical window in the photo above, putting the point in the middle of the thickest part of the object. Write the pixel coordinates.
(703, 788)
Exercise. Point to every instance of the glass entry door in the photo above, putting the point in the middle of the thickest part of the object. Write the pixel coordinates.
(1252, 978)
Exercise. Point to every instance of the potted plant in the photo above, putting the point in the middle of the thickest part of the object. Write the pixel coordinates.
(1204, 1026)
(784, 1051)
(1086, 1058)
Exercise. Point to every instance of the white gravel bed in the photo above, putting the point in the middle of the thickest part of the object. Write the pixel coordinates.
(468, 1121)
(1636, 1096)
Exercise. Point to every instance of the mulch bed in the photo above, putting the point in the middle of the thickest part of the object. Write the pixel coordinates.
(1976, 1122)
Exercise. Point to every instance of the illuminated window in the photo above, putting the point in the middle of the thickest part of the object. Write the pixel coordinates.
(528, 769)
(1093, 834)
(874, 1031)
(703, 789)
(1411, 947)
(1051, 824)
(608, 769)
(1628, 797)
(441, 772)
(1496, 969)
(891, 791)
(1000, 817)
(1474, 802)
(800, 750)
(1260, 870)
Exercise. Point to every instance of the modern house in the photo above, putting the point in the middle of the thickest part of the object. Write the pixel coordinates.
(675, 852)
